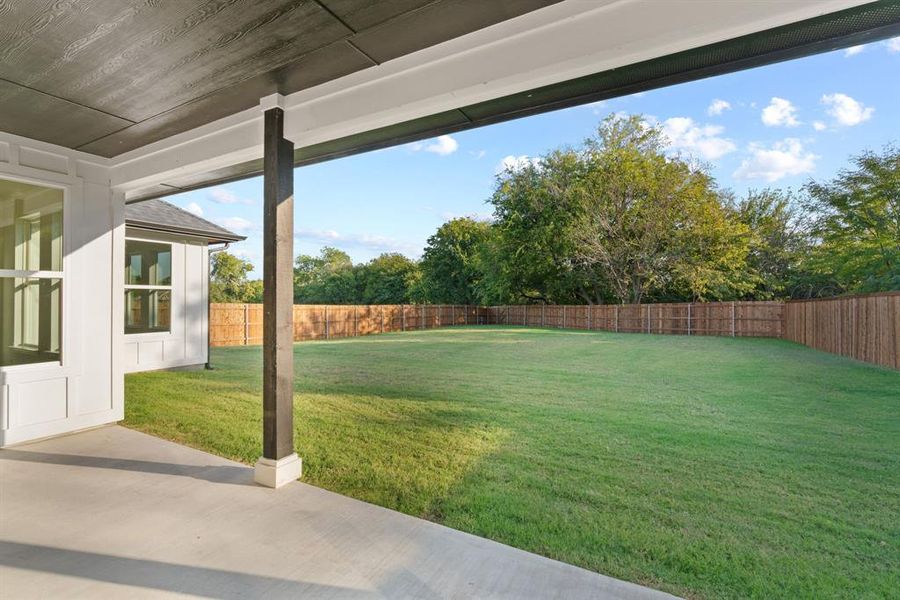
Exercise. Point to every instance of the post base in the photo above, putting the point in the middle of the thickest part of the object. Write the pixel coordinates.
(276, 473)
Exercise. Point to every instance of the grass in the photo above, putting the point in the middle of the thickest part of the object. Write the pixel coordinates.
(707, 467)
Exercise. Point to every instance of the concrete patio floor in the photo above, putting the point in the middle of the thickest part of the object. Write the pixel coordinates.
(116, 513)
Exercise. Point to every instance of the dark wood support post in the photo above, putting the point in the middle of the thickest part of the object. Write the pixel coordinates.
(279, 464)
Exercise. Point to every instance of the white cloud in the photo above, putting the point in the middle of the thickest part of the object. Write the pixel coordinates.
(236, 224)
(819, 126)
(854, 50)
(893, 44)
(780, 113)
(479, 154)
(516, 163)
(194, 209)
(845, 110)
(684, 134)
(783, 158)
(717, 107)
(441, 145)
(221, 195)
(378, 243)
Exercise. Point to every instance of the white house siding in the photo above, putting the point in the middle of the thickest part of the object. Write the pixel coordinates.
(85, 388)
(185, 343)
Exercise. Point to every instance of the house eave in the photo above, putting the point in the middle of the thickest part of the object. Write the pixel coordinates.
(208, 236)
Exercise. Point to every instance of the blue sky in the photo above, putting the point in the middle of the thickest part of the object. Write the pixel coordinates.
(773, 126)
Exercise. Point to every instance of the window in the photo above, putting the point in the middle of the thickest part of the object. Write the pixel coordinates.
(148, 286)
(31, 273)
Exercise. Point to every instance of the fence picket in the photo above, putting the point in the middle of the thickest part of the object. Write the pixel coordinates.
(863, 327)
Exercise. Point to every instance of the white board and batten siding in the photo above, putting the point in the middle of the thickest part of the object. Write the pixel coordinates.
(185, 344)
(82, 389)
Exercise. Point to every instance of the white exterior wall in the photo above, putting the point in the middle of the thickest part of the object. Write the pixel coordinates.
(86, 387)
(185, 343)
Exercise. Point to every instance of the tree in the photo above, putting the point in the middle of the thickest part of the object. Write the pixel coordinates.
(388, 279)
(325, 279)
(618, 220)
(530, 259)
(253, 292)
(450, 272)
(778, 242)
(857, 224)
(228, 278)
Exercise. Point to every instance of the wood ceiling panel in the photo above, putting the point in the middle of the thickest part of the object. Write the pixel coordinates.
(59, 49)
(41, 117)
(362, 14)
(317, 67)
(438, 22)
(142, 59)
(171, 65)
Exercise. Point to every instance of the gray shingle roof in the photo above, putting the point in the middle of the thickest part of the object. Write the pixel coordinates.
(160, 215)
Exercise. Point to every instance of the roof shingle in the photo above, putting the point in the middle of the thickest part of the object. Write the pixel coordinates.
(159, 215)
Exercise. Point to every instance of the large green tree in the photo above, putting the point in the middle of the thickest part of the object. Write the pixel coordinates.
(228, 278)
(388, 279)
(651, 225)
(531, 255)
(328, 278)
(450, 263)
(857, 224)
(779, 243)
(616, 220)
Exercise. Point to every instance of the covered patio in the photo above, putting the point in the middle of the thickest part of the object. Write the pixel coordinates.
(108, 103)
(116, 513)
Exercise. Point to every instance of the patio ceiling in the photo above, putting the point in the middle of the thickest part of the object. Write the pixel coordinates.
(167, 94)
(822, 34)
(109, 76)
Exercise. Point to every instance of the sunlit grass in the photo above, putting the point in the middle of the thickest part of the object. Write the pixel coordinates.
(709, 467)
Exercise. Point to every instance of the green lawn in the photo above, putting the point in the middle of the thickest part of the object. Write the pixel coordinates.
(707, 467)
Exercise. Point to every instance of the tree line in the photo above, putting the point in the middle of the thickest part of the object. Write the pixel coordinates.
(620, 220)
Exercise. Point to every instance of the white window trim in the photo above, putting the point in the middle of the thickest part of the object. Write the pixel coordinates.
(128, 286)
(67, 307)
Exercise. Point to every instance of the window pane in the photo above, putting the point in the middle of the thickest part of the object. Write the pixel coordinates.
(147, 311)
(30, 320)
(30, 227)
(148, 263)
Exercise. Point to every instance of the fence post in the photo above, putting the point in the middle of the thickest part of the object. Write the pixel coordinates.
(355, 320)
(382, 318)
(246, 324)
(507, 315)
(689, 318)
(732, 319)
(564, 316)
(648, 319)
(402, 317)
(326, 321)
(422, 326)
(524, 315)
(617, 318)
(542, 313)
(453, 314)
(590, 317)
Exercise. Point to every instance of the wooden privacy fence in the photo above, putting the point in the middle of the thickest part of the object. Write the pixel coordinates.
(740, 319)
(862, 327)
(241, 324)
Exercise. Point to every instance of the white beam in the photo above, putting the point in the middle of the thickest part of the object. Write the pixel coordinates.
(561, 42)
